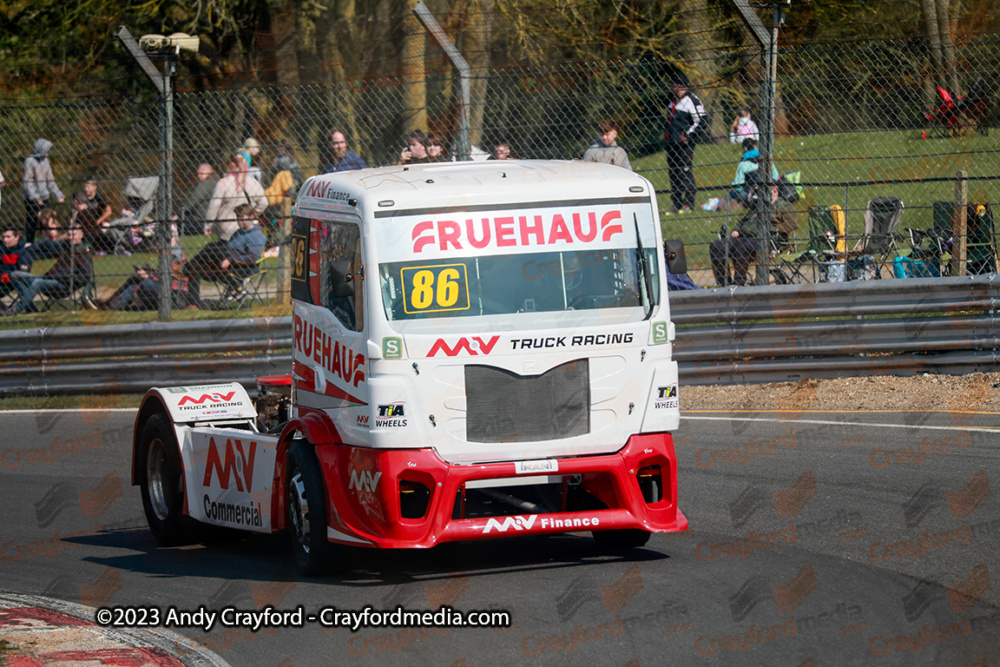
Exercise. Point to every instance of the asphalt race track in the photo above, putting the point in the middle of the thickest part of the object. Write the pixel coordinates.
(813, 541)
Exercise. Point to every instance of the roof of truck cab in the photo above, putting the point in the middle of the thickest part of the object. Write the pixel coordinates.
(391, 190)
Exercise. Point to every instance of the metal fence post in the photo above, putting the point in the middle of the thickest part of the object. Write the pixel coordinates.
(164, 85)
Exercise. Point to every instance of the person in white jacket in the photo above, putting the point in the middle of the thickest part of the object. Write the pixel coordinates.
(233, 189)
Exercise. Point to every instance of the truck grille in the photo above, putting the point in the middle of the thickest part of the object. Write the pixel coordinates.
(507, 407)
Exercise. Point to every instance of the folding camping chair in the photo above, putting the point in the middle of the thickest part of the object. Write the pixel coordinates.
(826, 233)
(243, 285)
(879, 240)
(81, 296)
(132, 231)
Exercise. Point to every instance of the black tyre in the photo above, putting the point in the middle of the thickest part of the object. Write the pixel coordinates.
(162, 483)
(621, 540)
(305, 501)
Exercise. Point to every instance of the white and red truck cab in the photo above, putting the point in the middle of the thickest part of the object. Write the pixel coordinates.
(479, 350)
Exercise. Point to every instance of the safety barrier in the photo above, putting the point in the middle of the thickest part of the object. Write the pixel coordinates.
(724, 336)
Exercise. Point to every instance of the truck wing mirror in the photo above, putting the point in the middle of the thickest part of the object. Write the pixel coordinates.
(341, 279)
(673, 251)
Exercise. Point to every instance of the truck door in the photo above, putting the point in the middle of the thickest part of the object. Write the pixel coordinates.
(329, 328)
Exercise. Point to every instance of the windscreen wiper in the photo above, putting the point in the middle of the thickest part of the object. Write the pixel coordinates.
(647, 278)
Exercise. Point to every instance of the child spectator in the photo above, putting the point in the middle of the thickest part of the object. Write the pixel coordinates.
(743, 127)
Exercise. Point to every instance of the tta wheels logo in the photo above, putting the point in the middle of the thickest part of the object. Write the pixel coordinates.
(474, 347)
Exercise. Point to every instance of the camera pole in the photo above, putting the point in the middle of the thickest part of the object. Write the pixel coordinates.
(164, 85)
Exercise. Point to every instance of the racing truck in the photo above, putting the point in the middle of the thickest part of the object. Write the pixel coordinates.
(479, 350)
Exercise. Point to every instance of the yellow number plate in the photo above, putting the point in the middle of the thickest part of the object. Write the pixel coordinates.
(434, 289)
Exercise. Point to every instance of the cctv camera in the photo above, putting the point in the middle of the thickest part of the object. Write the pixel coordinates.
(176, 42)
(153, 42)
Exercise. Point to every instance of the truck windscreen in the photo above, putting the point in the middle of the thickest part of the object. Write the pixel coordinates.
(546, 282)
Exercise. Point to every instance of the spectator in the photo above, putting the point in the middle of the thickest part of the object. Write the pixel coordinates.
(195, 206)
(339, 158)
(605, 149)
(416, 149)
(52, 236)
(685, 114)
(2, 183)
(743, 128)
(92, 212)
(232, 190)
(13, 257)
(38, 186)
(74, 268)
(239, 260)
(251, 149)
(502, 152)
(746, 177)
(139, 292)
(436, 151)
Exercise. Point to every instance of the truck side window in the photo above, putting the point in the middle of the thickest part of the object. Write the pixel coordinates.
(342, 279)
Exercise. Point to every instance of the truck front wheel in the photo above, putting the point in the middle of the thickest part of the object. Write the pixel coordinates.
(620, 540)
(306, 506)
(162, 484)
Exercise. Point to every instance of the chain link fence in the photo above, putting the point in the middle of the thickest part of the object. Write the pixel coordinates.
(855, 120)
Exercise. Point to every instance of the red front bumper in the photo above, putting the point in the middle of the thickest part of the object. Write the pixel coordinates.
(365, 487)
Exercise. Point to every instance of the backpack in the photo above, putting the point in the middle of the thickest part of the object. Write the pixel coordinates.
(789, 188)
(703, 133)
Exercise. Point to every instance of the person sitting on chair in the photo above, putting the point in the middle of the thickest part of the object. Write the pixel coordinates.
(243, 251)
(73, 269)
(13, 257)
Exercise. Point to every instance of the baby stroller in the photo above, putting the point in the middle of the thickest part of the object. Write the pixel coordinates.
(134, 231)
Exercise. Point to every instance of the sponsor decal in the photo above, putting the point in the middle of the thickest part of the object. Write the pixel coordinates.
(660, 333)
(362, 421)
(314, 343)
(237, 513)
(507, 231)
(529, 467)
(214, 400)
(321, 190)
(238, 469)
(363, 480)
(520, 523)
(570, 341)
(391, 416)
(194, 389)
(392, 347)
(666, 398)
(481, 347)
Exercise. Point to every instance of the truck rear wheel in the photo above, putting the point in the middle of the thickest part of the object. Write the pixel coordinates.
(620, 540)
(162, 484)
(307, 514)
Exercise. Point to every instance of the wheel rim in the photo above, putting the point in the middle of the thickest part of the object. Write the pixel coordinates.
(158, 479)
(298, 510)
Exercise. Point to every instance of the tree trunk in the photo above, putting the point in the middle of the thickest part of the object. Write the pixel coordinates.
(947, 47)
(413, 70)
(934, 41)
(477, 53)
(698, 48)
